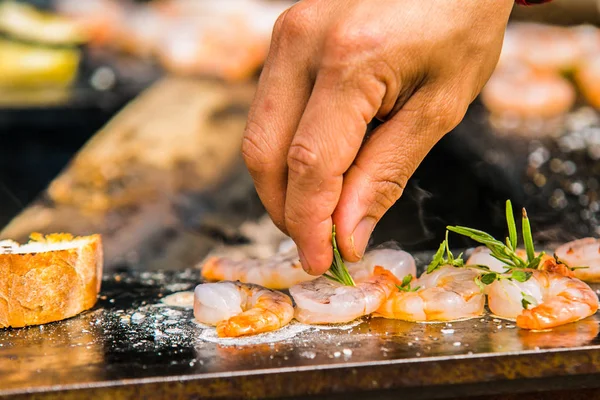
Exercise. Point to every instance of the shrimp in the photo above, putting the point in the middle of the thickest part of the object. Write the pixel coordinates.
(100, 19)
(281, 271)
(239, 309)
(527, 94)
(587, 77)
(398, 262)
(448, 293)
(545, 300)
(483, 256)
(582, 253)
(324, 302)
(548, 48)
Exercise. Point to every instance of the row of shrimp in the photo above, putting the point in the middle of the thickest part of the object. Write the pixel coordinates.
(386, 286)
(244, 300)
(531, 79)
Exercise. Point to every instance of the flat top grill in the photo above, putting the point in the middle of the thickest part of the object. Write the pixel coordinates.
(132, 345)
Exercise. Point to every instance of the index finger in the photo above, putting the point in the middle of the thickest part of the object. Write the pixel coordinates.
(283, 90)
(327, 140)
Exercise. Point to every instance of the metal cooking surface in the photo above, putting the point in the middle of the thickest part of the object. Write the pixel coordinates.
(130, 339)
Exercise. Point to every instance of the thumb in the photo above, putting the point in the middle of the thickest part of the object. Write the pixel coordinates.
(386, 161)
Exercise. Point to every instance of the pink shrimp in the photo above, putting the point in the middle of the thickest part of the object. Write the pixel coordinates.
(545, 300)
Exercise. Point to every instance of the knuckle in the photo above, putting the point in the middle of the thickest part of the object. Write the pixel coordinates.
(298, 220)
(301, 159)
(386, 186)
(293, 221)
(255, 149)
(346, 41)
(448, 112)
(278, 26)
(389, 190)
(294, 23)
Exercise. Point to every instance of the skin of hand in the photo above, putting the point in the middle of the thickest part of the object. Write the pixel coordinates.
(332, 67)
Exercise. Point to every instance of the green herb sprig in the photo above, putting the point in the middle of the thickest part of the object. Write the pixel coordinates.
(338, 272)
(489, 277)
(506, 252)
(439, 260)
(405, 285)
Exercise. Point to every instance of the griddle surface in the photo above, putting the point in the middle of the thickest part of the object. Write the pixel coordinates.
(132, 346)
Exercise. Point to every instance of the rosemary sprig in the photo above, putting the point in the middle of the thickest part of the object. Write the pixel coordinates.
(338, 272)
(439, 260)
(405, 285)
(506, 252)
(499, 250)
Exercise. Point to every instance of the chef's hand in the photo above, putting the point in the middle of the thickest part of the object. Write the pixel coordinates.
(335, 65)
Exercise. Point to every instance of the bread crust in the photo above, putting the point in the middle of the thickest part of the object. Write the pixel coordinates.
(42, 287)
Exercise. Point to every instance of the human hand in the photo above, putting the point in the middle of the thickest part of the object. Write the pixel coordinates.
(332, 67)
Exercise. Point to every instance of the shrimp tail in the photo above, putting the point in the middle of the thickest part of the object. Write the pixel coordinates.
(379, 270)
(210, 270)
(550, 264)
(253, 321)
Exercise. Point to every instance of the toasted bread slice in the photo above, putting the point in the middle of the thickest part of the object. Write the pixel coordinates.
(48, 279)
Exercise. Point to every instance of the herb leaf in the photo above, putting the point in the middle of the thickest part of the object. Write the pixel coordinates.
(521, 276)
(338, 272)
(487, 279)
(405, 285)
(527, 237)
(499, 250)
(535, 263)
(574, 268)
(512, 226)
(479, 283)
(527, 300)
(439, 260)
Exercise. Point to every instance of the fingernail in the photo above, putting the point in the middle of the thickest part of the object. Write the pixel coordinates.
(360, 236)
(303, 262)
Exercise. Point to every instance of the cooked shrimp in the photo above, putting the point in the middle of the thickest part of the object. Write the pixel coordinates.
(587, 78)
(448, 293)
(398, 262)
(527, 94)
(588, 38)
(555, 300)
(239, 309)
(483, 256)
(100, 19)
(582, 253)
(281, 271)
(548, 48)
(324, 302)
